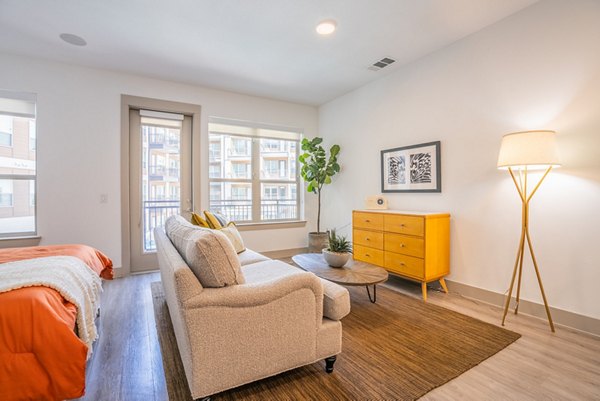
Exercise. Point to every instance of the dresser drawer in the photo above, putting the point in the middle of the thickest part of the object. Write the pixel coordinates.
(373, 221)
(372, 239)
(369, 255)
(404, 244)
(405, 265)
(411, 225)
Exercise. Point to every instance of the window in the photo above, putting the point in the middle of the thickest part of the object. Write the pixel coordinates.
(214, 149)
(256, 160)
(270, 192)
(214, 171)
(240, 147)
(240, 170)
(32, 139)
(6, 193)
(240, 192)
(17, 164)
(215, 191)
(6, 130)
(271, 168)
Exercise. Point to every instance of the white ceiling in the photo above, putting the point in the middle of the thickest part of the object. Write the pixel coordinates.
(260, 47)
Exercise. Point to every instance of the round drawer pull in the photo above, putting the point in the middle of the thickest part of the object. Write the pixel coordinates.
(368, 239)
(402, 264)
(402, 245)
(367, 221)
(366, 254)
(402, 225)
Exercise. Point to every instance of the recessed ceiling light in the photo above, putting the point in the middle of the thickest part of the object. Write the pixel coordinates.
(326, 27)
(73, 39)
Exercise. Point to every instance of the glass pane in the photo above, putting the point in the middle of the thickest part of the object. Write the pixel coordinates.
(232, 199)
(16, 154)
(278, 202)
(17, 206)
(230, 157)
(161, 175)
(277, 159)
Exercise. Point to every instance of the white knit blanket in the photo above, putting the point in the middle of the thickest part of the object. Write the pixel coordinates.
(68, 275)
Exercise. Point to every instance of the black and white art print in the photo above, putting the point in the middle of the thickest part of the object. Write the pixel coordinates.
(413, 168)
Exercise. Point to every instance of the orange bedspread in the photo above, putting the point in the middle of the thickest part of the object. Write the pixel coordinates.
(95, 259)
(41, 357)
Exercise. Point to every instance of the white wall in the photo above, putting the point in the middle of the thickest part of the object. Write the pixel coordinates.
(78, 126)
(538, 69)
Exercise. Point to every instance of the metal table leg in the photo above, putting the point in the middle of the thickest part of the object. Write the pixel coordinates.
(374, 299)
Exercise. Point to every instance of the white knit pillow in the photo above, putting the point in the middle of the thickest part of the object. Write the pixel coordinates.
(208, 253)
(233, 235)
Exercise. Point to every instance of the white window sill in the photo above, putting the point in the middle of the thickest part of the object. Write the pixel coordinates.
(271, 225)
(15, 242)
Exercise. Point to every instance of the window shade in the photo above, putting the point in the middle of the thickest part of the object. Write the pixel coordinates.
(219, 125)
(17, 104)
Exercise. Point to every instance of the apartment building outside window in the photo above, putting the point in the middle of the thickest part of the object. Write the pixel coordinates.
(17, 164)
(250, 171)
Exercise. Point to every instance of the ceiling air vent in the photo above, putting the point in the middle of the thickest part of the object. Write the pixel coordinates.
(384, 62)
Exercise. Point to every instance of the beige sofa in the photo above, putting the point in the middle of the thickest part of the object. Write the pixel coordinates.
(281, 318)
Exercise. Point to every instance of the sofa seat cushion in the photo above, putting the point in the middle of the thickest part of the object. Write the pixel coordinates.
(336, 299)
(249, 256)
(268, 270)
(208, 253)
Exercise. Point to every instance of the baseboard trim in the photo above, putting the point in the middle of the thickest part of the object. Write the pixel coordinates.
(559, 316)
(284, 253)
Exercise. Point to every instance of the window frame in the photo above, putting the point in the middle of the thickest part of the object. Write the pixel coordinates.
(255, 177)
(28, 98)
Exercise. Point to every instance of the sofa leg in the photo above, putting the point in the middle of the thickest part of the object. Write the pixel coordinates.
(329, 363)
(203, 399)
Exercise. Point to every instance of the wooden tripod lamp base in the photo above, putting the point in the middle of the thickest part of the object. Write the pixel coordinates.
(522, 152)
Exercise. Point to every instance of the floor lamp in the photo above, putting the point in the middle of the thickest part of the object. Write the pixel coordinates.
(521, 152)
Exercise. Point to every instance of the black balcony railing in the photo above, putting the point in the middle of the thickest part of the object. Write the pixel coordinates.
(279, 209)
(160, 140)
(163, 171)
(270, 209)
(155, 213)
(234, 210)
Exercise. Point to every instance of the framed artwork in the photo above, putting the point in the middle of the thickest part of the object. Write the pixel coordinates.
(415, 168)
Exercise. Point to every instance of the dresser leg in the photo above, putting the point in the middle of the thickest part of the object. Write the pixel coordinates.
(443, 284)
(424, 290)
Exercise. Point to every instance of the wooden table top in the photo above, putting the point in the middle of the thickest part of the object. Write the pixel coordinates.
(353, 273)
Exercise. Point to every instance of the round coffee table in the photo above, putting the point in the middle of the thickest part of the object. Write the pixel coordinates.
(353, 273)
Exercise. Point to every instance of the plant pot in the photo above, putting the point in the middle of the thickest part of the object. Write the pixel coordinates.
(317, 241)
(336, 259)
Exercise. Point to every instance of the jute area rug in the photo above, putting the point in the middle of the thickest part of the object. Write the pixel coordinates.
(397, 349)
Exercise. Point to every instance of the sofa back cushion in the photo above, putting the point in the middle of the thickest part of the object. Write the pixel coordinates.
(208, 253)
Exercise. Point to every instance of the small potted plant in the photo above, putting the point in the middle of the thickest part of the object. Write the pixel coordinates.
(339, 250)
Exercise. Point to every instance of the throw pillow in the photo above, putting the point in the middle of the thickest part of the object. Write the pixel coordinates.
(233, 235)
(198, 220)
(212, 220)
(208, 253)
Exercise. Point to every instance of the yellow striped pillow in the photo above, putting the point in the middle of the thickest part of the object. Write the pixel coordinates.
(198, 220)
(212, 220)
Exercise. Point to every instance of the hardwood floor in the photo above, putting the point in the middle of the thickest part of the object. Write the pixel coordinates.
(127, 364)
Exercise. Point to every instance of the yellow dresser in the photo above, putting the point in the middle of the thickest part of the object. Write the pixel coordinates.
(412, 245)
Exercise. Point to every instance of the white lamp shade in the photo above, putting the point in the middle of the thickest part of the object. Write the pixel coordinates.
(531, 149)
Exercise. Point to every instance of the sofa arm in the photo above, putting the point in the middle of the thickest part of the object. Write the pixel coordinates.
(336, 300)
(255, 294)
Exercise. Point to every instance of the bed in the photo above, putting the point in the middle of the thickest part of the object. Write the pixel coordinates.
(41, 356)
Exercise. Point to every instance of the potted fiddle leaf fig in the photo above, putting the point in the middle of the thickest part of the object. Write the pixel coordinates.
(338, 251)
(317, 170)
